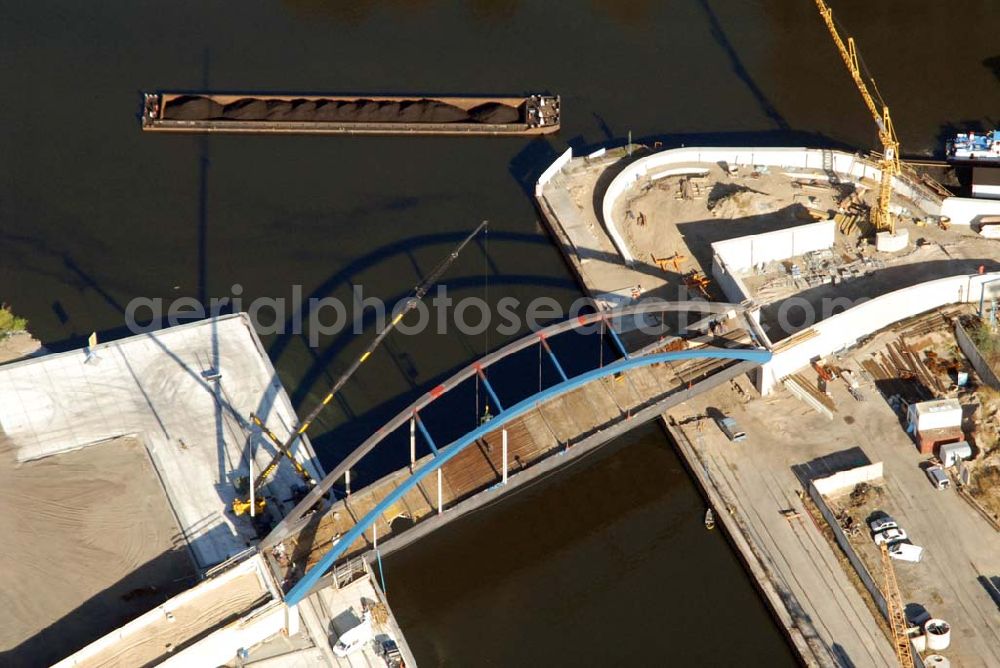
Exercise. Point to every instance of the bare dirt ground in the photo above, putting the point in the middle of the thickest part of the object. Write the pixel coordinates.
(91, 545)
(18, 345)
(665, 219)
(669, 224)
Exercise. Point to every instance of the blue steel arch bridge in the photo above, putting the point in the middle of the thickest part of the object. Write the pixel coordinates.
(648, 358)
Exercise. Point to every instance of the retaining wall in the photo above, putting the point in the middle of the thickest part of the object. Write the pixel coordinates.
(745, 253)
(859, 567)
(845, 164)
(849, 479)
(845, 545)
(552, 170)
(732, 256)
(969, 210)
(732, 285)
(971, 351)
(845, 329)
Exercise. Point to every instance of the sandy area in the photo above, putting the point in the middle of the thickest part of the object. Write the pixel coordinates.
(91, 545)
(17, 346)
(671, 215)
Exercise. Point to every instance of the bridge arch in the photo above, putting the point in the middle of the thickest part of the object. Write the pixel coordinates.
(443, 455)
(606, 318)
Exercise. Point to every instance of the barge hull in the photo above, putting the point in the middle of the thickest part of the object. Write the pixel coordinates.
(321, 128)
(341, 115)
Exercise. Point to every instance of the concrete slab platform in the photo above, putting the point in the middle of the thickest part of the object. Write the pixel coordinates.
(756, 480)
(160, 387)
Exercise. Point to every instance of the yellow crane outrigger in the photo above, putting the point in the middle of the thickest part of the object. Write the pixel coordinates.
(889, 162)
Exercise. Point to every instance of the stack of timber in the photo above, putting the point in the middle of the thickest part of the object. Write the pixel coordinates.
(801, 387)
(899, 370)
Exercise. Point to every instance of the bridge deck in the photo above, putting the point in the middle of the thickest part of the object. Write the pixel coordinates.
(548, 429)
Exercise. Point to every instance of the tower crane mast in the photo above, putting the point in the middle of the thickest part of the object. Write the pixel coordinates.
(889, 163)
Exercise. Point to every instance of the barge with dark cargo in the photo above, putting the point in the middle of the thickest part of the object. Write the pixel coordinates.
(350, 115)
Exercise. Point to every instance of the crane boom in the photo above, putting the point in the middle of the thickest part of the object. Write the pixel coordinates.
(241, 506)
(896, 613)
(889, 163)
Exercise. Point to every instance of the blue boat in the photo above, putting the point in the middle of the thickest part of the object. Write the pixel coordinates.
(975, 146)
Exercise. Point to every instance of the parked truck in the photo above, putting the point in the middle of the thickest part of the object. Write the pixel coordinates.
(730, 428)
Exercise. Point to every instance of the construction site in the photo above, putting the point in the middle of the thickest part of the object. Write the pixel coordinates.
(874, 288)
(836, 391)
(826, 361)
(132, 456)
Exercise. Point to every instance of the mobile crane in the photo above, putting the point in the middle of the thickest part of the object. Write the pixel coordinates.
(284, 449)
(889, 162)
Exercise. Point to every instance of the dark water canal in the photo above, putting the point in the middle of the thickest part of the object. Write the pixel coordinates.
(604, 564)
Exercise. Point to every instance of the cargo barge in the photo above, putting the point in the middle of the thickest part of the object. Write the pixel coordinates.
(350, 115)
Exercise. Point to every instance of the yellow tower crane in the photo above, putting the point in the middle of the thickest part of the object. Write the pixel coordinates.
(897, 616)
(889, 163)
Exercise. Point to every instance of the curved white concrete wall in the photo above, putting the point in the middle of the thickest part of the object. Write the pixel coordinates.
(845, 329)
(552, 170)
(787, 158)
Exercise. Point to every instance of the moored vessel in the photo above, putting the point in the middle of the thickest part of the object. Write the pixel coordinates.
(975, 146)
(337, 114)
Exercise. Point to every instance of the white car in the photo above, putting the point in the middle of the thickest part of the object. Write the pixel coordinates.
(883, 523)
(354, 638)
(890, 536)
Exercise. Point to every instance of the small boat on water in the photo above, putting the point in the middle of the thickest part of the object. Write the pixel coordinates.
(709, 519)
(975, 146)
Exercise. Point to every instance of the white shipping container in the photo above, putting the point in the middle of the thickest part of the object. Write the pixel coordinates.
(939, 414)
(951, 453)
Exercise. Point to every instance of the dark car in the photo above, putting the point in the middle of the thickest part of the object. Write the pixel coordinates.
(388, 651)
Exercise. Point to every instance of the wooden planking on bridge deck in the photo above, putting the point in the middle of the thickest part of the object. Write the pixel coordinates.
(418, 503)
(396, 509)
(469, 470)
(481, 465)
(360, 505)
(310, 545)
(523, 444)
(562, 420)
(579, 412)
(538, 431)
(620, 389)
